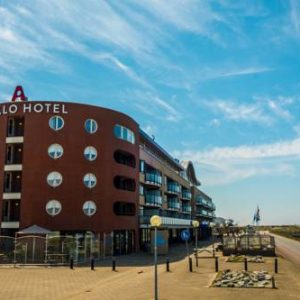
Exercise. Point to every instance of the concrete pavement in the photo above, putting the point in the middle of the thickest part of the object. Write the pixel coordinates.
(288, 248)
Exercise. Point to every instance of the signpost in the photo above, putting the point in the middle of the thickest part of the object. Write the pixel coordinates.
(185, 236)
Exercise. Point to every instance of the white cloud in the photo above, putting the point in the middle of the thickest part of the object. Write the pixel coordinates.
(155, 106)
(279, 111)
(239, 112)
(223, 165)
(246, 71)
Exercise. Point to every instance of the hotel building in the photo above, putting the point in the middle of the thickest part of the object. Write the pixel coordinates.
(75, 168)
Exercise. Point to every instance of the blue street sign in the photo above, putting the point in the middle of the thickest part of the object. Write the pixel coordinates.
(185, 235)
(160, 241)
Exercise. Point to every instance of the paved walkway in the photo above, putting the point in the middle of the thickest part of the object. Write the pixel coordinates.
(288, 248)
(136, 282)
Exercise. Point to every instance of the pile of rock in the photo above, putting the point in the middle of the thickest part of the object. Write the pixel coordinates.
(243, 279)
(256, 259)
(235, 258)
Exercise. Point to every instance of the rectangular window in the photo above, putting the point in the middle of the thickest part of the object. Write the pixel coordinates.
(141, 188)
(142, 166)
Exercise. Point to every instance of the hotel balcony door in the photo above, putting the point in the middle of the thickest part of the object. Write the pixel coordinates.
(123, 242)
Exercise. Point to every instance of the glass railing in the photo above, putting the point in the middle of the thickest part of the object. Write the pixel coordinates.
(202, 212)
(153, 178)
(186, 194)
(173, 204)
(187, 208)
(151, 199)
(173, 188)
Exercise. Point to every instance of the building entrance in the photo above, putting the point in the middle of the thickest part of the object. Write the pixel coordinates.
(124, 242)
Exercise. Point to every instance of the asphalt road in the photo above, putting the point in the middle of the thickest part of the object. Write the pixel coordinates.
(288, 248)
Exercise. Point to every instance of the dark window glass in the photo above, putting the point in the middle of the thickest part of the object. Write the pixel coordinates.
(124, 158)
(124, 209)
(124, 183)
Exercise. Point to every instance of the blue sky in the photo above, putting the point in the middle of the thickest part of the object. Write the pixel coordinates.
(216, 82)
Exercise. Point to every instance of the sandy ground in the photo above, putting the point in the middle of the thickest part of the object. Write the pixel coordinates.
(136, 282)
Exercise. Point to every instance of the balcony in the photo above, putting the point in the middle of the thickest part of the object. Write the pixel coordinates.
(173, 188)
(202, 213)
(186, 195)
(205, 203)
(153, 200)
(173, 205)
(153, 179)
(186, 209)
(205, 214)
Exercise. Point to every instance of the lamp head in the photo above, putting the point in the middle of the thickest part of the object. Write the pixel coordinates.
(195, 223)
(155, 221)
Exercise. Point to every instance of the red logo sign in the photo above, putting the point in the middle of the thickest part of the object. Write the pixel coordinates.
(18, 94)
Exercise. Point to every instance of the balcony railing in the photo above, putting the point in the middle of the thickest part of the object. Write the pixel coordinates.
(205, 203)
(153, 200)
(186, 208)
(187, 195)
(153, 178)
(174, 205)
(173, 188)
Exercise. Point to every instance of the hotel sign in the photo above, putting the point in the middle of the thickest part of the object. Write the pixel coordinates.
(30, 107)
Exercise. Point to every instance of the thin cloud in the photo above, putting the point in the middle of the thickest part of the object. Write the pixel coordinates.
(224, 165)
(239, 112)
(246, 71)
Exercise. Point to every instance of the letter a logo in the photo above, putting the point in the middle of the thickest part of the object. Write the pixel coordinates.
(18, 95)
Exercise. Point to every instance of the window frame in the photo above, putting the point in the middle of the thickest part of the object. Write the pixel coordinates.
(91, 122)
(87, 203)
(55, 128)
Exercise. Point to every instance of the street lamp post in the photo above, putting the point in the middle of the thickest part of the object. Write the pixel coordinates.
(196, 225)
(155, 222)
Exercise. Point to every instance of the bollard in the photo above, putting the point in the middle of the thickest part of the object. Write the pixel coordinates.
(168, 264)
(273, 283)
(114, 264)
(276, 265)
(245, 264)
(92, 264)
(71, 263)
(191, 264)
(216, 264)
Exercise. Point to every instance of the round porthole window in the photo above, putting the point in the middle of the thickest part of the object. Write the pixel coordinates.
(55, 151)
(89, 180)
(90, 153)
(89, 208)
(54, 179)
(90, 126)
(53, 208)
(56, 123)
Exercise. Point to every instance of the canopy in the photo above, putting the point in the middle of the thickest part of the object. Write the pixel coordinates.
(34, 229)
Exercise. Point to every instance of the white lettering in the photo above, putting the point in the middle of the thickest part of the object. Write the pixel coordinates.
(27, 108)
(56, 108)
(48, 105)
(38, 108)
(64, 111)
(13, 109)
(4, 112)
